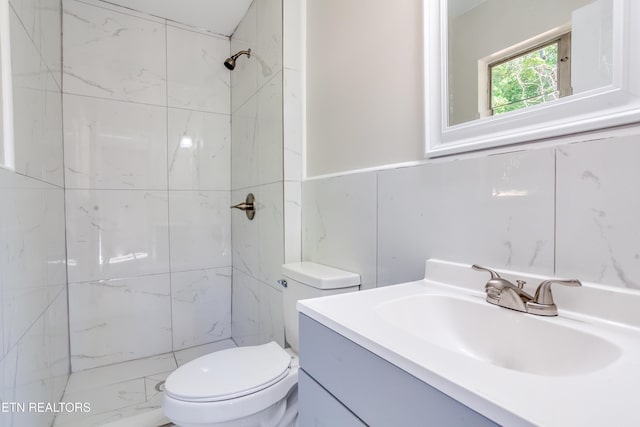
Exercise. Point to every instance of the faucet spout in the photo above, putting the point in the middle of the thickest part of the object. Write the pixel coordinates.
(503, 293)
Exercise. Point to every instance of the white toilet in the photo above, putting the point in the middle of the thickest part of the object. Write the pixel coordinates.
(257, 385)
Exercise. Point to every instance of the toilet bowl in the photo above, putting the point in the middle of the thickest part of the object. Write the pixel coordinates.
(253, 385)
(239, 386)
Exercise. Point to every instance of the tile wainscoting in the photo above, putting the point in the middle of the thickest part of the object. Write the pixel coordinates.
(567, 211)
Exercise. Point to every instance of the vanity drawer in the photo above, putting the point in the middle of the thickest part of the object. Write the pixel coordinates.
(319, 408)
(376, 391)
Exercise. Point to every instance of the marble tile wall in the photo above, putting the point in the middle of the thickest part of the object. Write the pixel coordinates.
(598, 206)
(497, 210)
(567, 211)
(258, 167)
(36, 94)
(339, 224)
(34, 339)
(147, 140)
(293, 114)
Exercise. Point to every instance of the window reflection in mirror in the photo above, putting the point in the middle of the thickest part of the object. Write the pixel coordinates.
(506, 55)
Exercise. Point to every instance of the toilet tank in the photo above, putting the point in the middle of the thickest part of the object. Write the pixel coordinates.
(311, 280)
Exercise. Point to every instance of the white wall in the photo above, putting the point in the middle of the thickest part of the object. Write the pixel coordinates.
(34, 358)
(364, 84)
(148, 221)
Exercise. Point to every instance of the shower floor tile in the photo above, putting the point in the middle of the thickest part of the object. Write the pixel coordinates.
(123, 390)
(106, 375)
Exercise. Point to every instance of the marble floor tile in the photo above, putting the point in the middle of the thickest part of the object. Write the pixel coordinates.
(150, 383)
(124, 394)
(146, 414)
(152, 418)
(107, 375)
(105, 399)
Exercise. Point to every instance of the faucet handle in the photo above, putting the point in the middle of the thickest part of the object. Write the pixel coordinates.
(543, 293)
(493, 274)
(543, 303)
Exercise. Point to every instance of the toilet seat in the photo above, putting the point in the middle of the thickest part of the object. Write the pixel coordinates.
(256, 399)
(229, 374)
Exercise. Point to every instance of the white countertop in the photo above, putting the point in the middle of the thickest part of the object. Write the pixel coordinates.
(609, 396)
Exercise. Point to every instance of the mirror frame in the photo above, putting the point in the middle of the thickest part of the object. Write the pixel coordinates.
(612, 105)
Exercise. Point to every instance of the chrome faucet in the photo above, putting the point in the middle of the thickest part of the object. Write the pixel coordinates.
(503, 293)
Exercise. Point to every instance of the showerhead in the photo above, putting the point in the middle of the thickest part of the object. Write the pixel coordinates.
(230, 63)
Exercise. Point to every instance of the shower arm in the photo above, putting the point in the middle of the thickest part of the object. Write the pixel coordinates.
(242, 52)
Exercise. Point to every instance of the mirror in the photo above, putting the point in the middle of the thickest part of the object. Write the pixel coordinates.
(502, 72)
(505, 55)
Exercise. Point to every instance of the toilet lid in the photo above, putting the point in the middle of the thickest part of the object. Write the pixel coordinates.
(228, 374)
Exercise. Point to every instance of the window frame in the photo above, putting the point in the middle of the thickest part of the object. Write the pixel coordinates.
(563, 65)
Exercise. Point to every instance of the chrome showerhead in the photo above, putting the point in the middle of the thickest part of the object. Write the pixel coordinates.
(230, 63)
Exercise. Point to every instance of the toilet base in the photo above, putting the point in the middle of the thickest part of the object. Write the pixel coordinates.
(280, 414)
(232, 413)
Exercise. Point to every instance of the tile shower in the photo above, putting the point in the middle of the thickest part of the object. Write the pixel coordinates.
(148, 224)
(134, 172)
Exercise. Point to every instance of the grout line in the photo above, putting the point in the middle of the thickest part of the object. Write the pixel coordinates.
(122, 10)
(148, 104)
(150, 17)
(166, 82)
(555, 208)
(196, 30)
(31, 325)
(55, 186)
(175, 358)
(64, 196)
(39, 50)
(231, 115)
(377, 225)
(145, 190)
(259, 185)
(254, 94)
(84, 282)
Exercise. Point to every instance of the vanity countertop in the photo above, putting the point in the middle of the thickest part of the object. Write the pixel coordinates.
(603, 394)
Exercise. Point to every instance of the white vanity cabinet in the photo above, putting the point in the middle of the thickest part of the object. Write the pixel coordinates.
(343, 384)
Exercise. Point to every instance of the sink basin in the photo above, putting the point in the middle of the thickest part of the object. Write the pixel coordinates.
(582, 368)
(502, 337)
